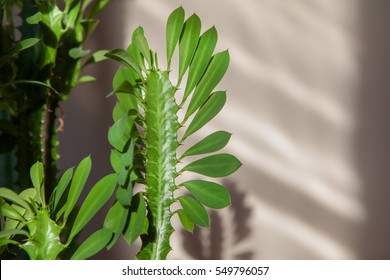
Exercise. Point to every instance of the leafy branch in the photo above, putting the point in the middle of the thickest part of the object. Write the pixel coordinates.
(145, 135)
(49, 229)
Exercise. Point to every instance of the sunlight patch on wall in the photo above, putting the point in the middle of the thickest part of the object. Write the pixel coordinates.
(307, 236)
(271, 151)
(312, 99)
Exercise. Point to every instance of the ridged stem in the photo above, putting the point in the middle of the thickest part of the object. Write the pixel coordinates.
(161, 144)
(50, 155)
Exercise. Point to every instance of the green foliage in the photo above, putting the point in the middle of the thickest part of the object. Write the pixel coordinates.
(40, 63)
(95, 200)
(174, 27)
(47, 230)
(188, 43)
(36, 173)
(115, 221)
(146, 130)
(210, 108)
(96, 242)
(37, 71)
(211, 194)
(137, 219)
(204, 51)
(219, 165)
(187, 223)
(212, 143)
(195, 211)
(18, 47)
(78, 182)
(44, 220)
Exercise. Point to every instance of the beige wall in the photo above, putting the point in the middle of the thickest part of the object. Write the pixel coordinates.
(308, 109)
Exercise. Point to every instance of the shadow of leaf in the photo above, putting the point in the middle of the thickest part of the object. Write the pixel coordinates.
(228, 229)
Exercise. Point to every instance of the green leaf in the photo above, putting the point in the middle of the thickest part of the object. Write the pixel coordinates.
(60, 212)
(36, 174)
(8, 211)
(204, 51)
(135, 53)
(119, 144)
(173, 30)
(185, 221)
(128, 156)
(96, 242)
(14, 197)
(195, 211)
(72, 15)
(115, 160)
(137, 217)
(77, 53)
(114, 218)
(128, 101)
(37, 83)
(6, 241)
(124, 193)
(95, 200)
(8, 232)
(115, 221)
(24, 44)
(213, 75)
(98, 7)
(211, 194)
(124, 57)
(134, 50)
(97, 56)
(35, 18)
(61, 186)
(86, 79)
(207, 112)
(88, 25)
(126, 88)
(124, 75)
(51, 25)
(212, 143)
(122, 176)
(116, 132)
(79, 179)
(27, 195)
(142, 45)
(145, 227)
(214, 166)
(188, 43)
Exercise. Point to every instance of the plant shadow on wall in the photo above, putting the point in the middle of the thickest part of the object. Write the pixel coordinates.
(229, 231)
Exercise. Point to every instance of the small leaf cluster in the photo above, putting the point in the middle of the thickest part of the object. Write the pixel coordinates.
(48, 229)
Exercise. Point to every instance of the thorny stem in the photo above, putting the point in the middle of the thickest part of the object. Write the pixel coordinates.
(49, 144)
